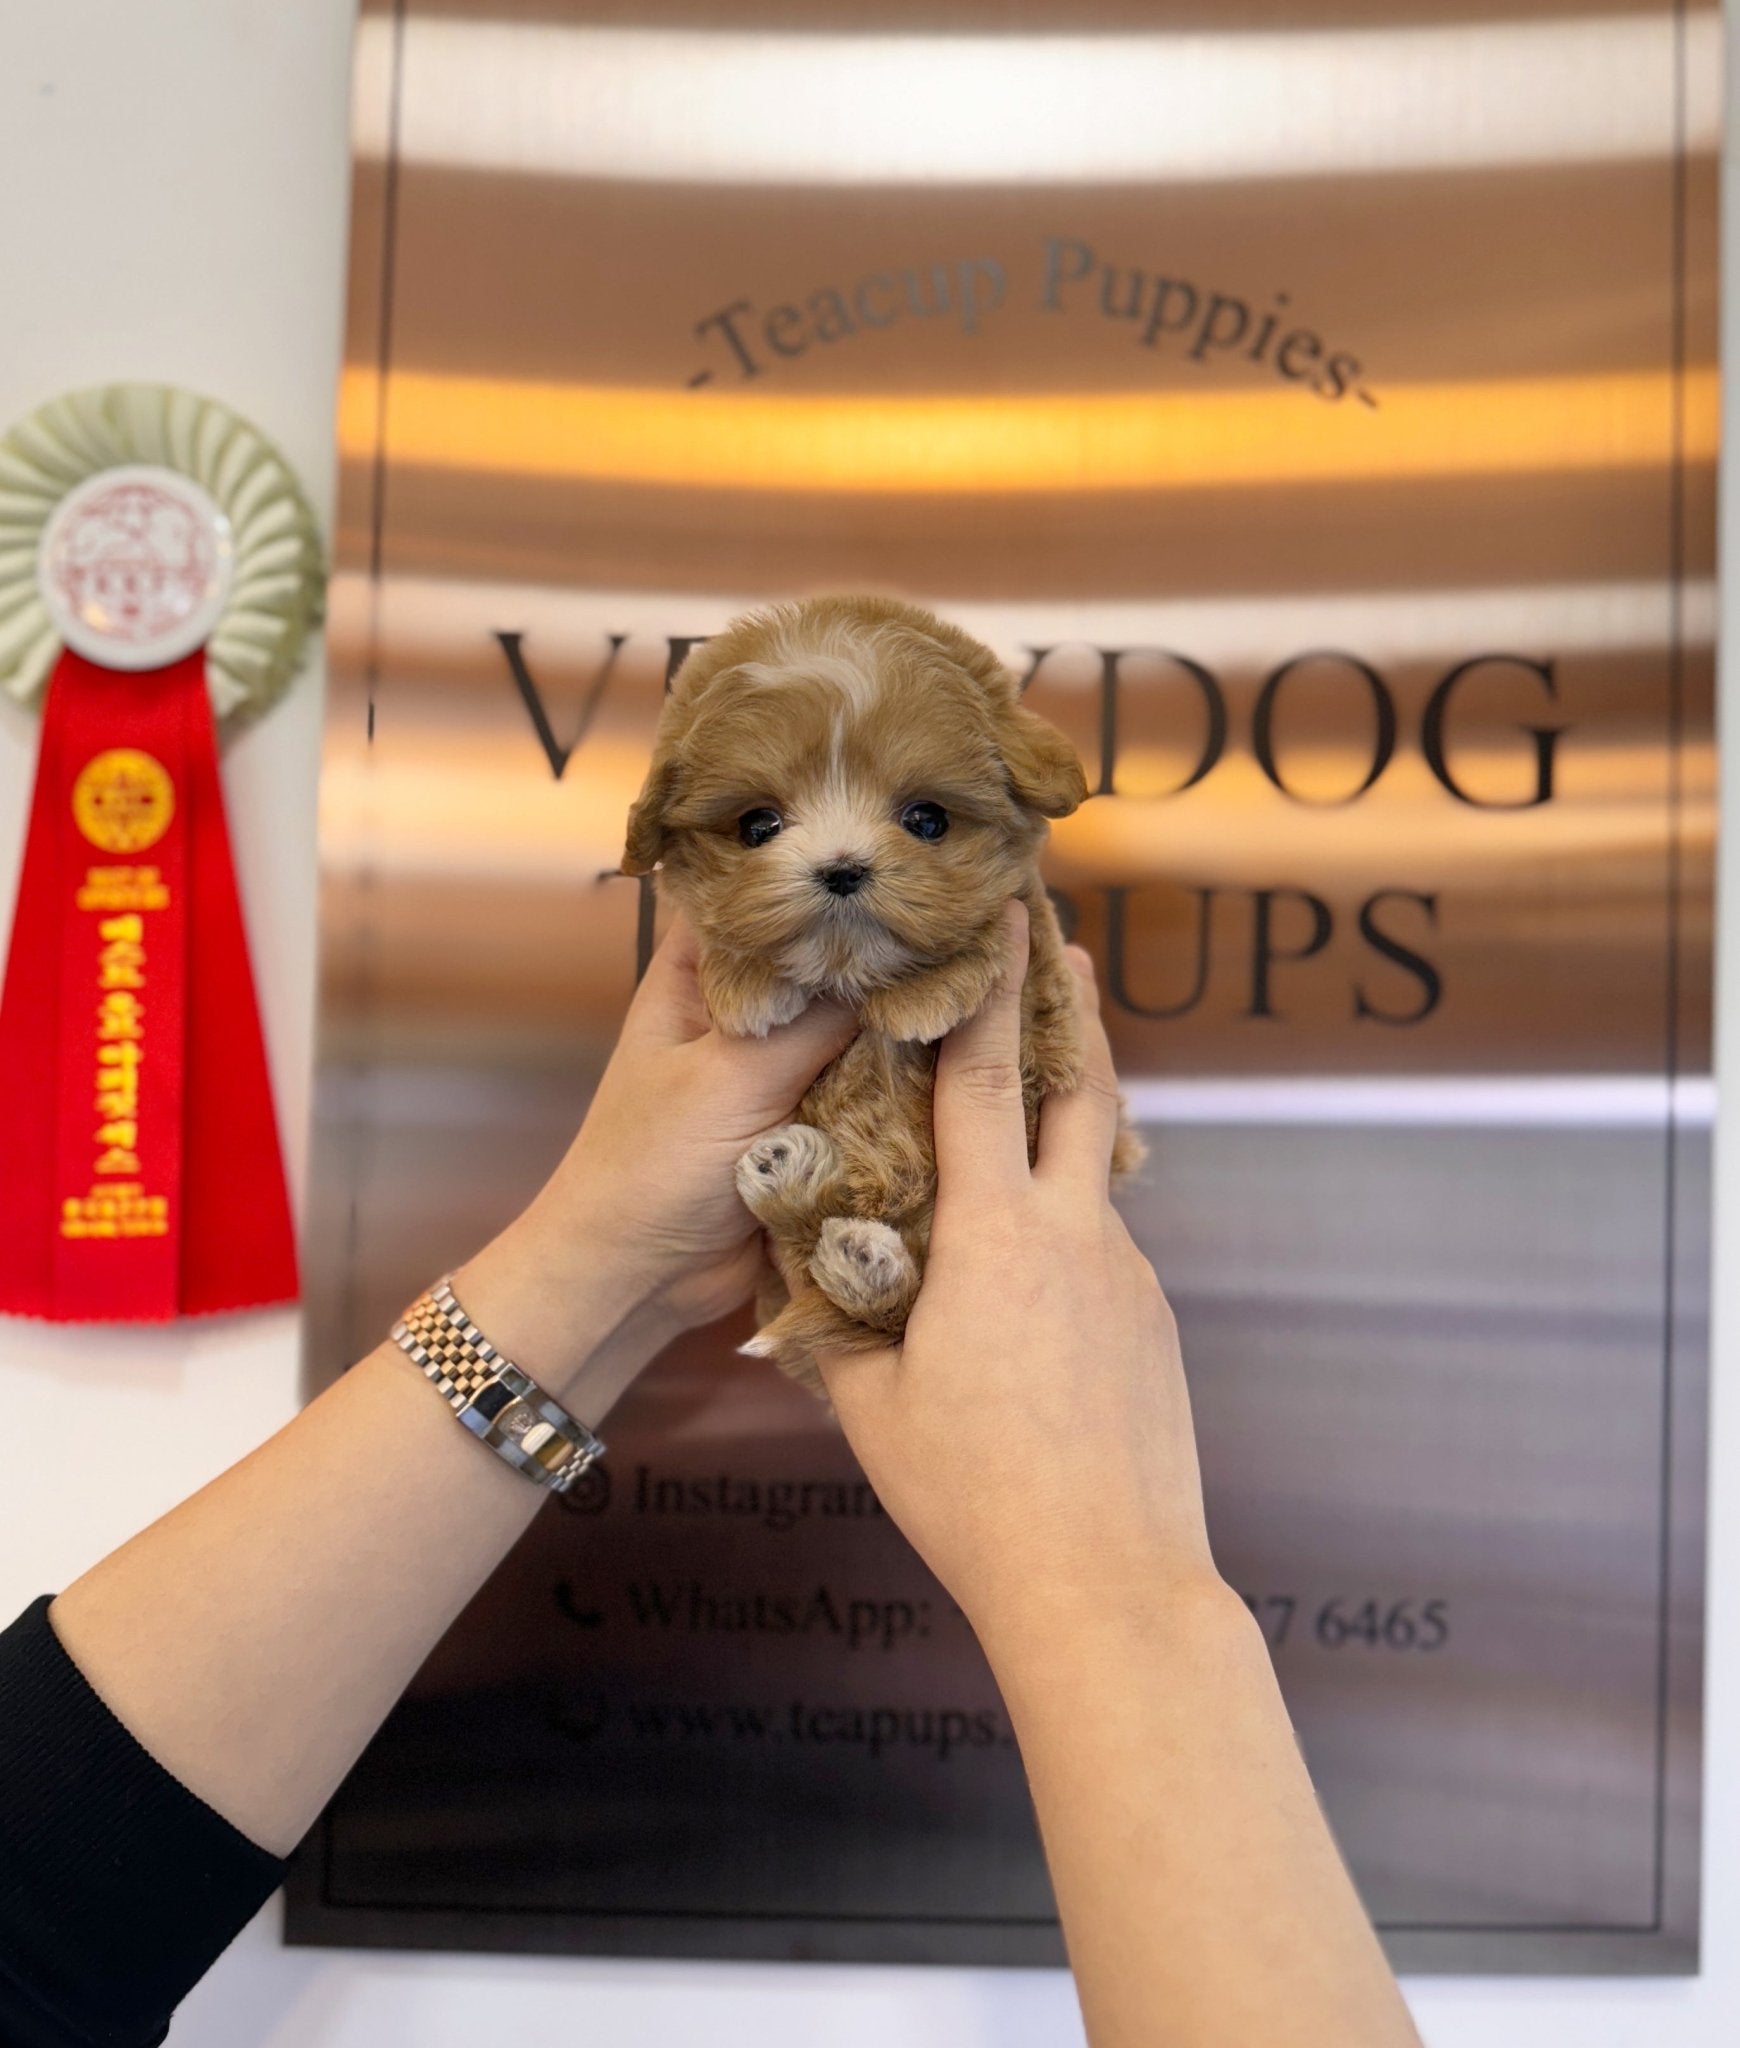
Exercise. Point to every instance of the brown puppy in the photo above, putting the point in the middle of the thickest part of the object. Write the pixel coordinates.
(843, 795)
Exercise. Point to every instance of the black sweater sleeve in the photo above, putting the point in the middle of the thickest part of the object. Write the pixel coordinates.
(118, 1888)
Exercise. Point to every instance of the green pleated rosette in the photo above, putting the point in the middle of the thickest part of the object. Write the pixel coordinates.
(279, 571)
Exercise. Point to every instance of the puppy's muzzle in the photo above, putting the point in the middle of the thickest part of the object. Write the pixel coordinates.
(843, 877)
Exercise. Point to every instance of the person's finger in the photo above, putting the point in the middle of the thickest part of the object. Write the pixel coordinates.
(668, 1005)
(1077, 1130)
(980, 1124)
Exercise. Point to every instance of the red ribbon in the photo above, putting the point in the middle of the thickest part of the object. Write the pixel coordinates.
(140, 1175)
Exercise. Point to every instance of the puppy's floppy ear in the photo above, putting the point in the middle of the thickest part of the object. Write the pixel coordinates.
(647, 832)
(1043, 768)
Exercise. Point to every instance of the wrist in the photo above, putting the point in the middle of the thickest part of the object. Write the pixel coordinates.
(579, 1319)
(1052, 1632)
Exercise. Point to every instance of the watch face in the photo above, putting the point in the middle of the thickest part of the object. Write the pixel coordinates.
(135, 567)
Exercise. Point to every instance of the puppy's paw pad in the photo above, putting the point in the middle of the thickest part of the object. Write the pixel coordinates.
(863, 1266)
(792, 1161)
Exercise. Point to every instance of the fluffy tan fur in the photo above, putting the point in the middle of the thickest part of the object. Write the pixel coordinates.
(837, 717)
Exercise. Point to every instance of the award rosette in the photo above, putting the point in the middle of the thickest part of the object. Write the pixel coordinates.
(160, 570)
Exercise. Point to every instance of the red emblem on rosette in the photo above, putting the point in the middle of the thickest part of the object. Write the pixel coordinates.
(159, 570)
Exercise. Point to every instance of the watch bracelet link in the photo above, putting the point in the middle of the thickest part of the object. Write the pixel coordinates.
(501, 1405)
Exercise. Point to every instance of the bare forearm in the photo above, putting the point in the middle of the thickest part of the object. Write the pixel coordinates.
(1202, 1896)
(255, 1637)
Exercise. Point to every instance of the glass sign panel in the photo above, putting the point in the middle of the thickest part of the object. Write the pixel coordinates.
(1315, 405)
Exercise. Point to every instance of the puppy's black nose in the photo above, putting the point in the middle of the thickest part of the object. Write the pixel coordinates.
(843, 878)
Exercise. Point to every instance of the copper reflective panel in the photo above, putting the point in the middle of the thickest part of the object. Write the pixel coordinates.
(1317, 405)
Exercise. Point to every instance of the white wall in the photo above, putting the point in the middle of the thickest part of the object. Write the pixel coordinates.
(172, 206)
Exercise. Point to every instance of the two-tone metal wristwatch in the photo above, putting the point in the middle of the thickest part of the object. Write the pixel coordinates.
(501, 1405)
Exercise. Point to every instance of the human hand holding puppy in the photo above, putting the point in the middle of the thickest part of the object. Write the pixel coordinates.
(1032, 1437)
(1032, 1433)
(641, 1222)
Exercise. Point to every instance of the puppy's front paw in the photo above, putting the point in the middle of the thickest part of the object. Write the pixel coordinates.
(864, 1268)
(928, 1006)
(786, 1168)
(745, 998)
(755, 1017)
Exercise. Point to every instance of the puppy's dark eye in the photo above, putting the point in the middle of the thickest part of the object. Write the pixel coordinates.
(756, 828)
(925, 821)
